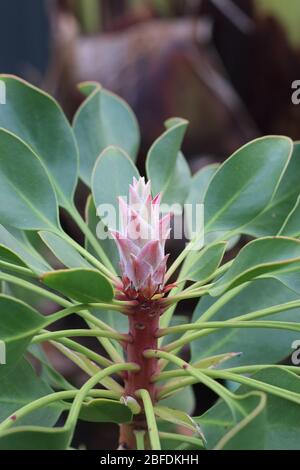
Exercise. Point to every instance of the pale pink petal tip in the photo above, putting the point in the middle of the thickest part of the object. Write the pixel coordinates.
(141, 242)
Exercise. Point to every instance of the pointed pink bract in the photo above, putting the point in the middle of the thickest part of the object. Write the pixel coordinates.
(141, 242)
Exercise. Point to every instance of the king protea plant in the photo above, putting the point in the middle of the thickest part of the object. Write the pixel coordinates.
(125, 289)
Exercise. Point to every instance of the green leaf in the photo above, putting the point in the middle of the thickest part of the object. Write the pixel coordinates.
(25, 187)
(177, 417)
(19, 387)
(8, 256)
(272, 218)
(277, 429)
(177, 189)
(290, 279)
(65, 253)
(245, 183)
(36, 438)
(162, 157)
(249, 433)
(97, 227)
(112, 174)
(184, 400)
(39, 121)
(257, 258)
(46, 372)
(200, 182)
(291, 226)
(19, 323)
(19, 253)
(82, 285)
(256, 346)
(103, 120)
(283, 417)
(108, 411)
(201, 265)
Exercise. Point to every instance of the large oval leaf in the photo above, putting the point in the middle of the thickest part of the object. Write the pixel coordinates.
(272, 218)
(102, 410)
(83, 285)
(19, 323)
(256, 346)
(291, 225)
(97, 227)
(245, 183)
(113, 173)
(37, 119)
(102, 120)
(20, 386)
(162, 156)
(63, 251)
(280, 426)
(36, 438)
(25, 187)
(258, 257)
(249, 433)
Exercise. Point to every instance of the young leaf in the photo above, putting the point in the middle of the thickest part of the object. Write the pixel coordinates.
(102, 120)
(25, 186)
(82, 285)
(245, 183)
(258, 257)
(63, 251)
(179, 418)
(97, 227)
(201, 265)
(8, 256)
(39, 121)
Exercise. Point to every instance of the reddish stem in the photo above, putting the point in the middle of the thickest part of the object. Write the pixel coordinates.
(143, 326)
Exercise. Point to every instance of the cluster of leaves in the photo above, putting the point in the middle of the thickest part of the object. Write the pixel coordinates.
(255, 192)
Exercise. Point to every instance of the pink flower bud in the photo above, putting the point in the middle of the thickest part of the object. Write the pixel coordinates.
(141, 242)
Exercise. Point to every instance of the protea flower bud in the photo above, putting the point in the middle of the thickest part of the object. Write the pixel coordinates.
(141, 242)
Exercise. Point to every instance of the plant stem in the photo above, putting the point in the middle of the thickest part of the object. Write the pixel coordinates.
(83, 392)
(213, 309)
(48, 399)
(257, 368)
(36, 289)
(181, 437)
(17, 269)
(187, 338)
(88, 366)
(197, 374)
(220, 325)
(140, 439)
(150, 417)
(79, 308)
(50, 335)
(102, 361)
(253, 383)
